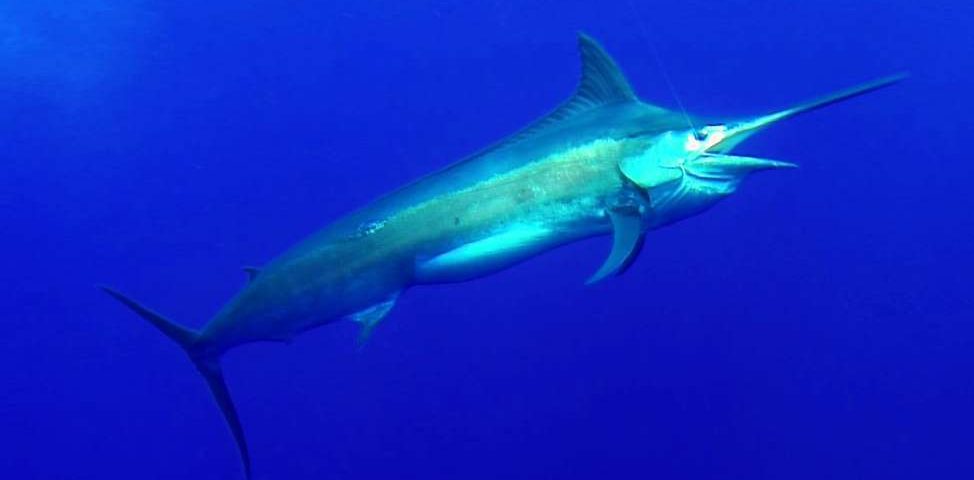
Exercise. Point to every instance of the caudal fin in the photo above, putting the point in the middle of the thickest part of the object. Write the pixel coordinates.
(208, 366)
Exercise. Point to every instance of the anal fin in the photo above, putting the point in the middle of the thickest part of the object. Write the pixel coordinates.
(627, 241)
(370, 318)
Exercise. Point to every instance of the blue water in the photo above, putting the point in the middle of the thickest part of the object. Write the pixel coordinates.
(819, 324)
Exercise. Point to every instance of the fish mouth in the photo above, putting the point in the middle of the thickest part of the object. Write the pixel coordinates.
(715, 166)
(713, 141)
(715, 162)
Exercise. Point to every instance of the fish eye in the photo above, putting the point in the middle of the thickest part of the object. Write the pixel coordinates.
(700, 135)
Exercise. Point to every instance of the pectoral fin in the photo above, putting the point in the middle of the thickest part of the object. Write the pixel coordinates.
(370, 317)
(627, 241)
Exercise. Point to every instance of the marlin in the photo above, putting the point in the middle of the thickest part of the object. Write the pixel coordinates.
(603, 162)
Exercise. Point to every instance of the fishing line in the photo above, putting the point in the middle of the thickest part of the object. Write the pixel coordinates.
(659, 61)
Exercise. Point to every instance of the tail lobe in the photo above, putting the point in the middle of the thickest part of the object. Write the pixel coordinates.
(181, 335)
(207, 365)
(213, 374)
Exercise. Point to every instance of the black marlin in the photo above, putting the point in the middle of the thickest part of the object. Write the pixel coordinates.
(603, 162)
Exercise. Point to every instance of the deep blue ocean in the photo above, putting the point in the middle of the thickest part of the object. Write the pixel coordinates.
(819, 324)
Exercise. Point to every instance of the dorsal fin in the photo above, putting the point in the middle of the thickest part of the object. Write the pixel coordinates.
(602, 83)
(251, 272)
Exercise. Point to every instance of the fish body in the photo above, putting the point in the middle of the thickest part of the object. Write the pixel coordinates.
(602, 163)
(462, 223)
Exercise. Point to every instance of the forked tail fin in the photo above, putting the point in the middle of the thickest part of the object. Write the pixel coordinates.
(208, 366)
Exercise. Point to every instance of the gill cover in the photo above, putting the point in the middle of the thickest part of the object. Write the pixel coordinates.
(657, 165)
